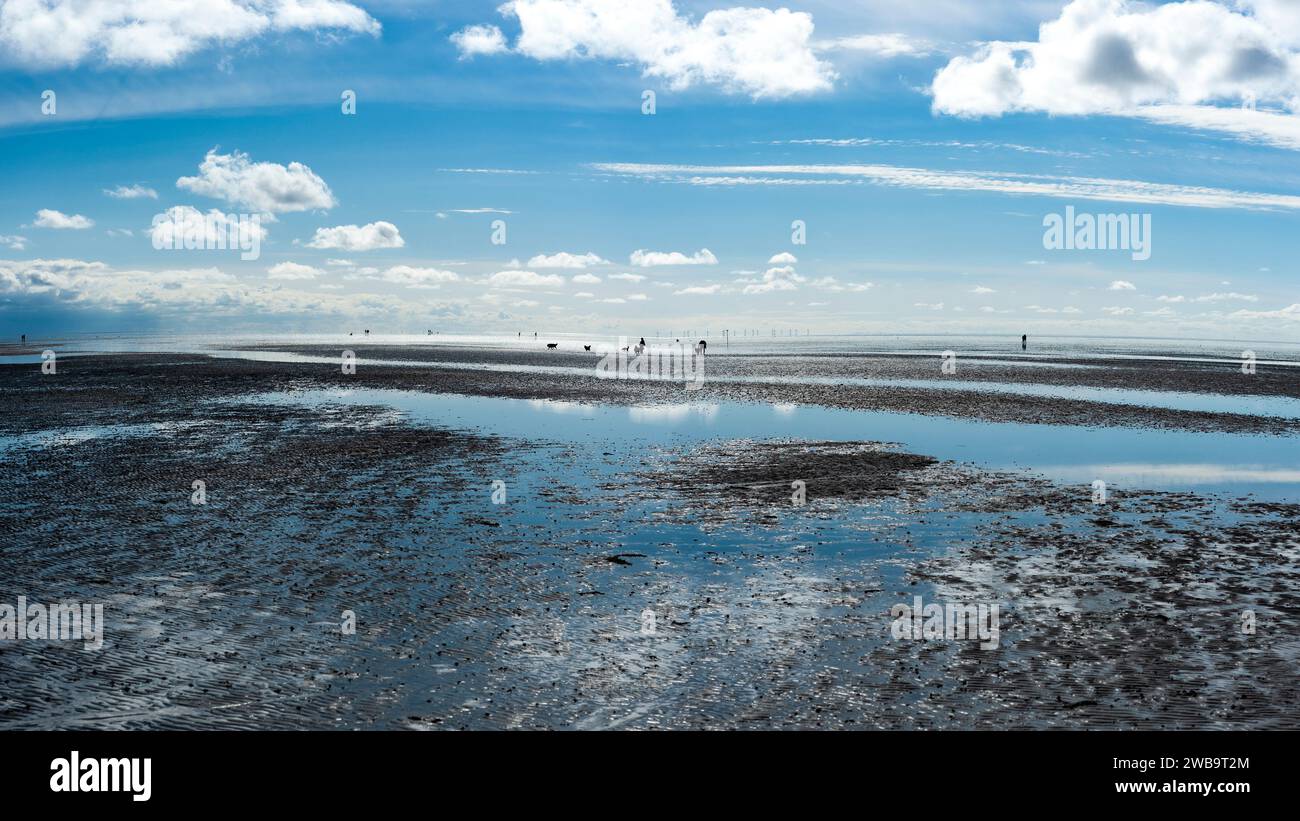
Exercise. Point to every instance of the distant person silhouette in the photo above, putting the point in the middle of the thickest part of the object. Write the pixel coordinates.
(24, 339)
(703, 347)
(1024, 342)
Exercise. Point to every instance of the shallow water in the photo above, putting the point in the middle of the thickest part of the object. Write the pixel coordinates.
(1270, 406)
(1236, 464)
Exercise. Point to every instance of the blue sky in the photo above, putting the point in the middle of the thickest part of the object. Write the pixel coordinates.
(921, 149)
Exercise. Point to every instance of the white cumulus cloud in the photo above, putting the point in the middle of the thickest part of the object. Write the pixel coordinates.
(366, 237)
(1121, 57)
(419, 277)
(50, 33)
(292, 270)
(185, 226)
(1290, 313)
(49, 218)
(782, 278)
(564, 259)
(259, 186)
(474, 40)
(649, 259)
(524, 279)
(756, 51)
(187, 293)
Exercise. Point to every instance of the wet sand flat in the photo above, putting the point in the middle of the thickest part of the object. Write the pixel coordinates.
(531, 612)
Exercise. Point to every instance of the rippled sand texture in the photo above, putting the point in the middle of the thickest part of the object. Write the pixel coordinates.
(530, 613)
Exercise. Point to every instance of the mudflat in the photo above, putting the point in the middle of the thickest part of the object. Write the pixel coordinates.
(542, 548)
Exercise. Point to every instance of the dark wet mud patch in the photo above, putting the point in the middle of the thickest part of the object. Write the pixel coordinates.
(229, 613)
(117, 389)
(1136, 627)
(1127, 614)
(768, 472)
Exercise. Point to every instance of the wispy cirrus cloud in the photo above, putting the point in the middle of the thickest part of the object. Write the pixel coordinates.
(131, 192)
(1231, 296)
(879, 45)
(489, 171)
(968, 145)
(833, 284)
(1062, 187)
(1277, 128)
